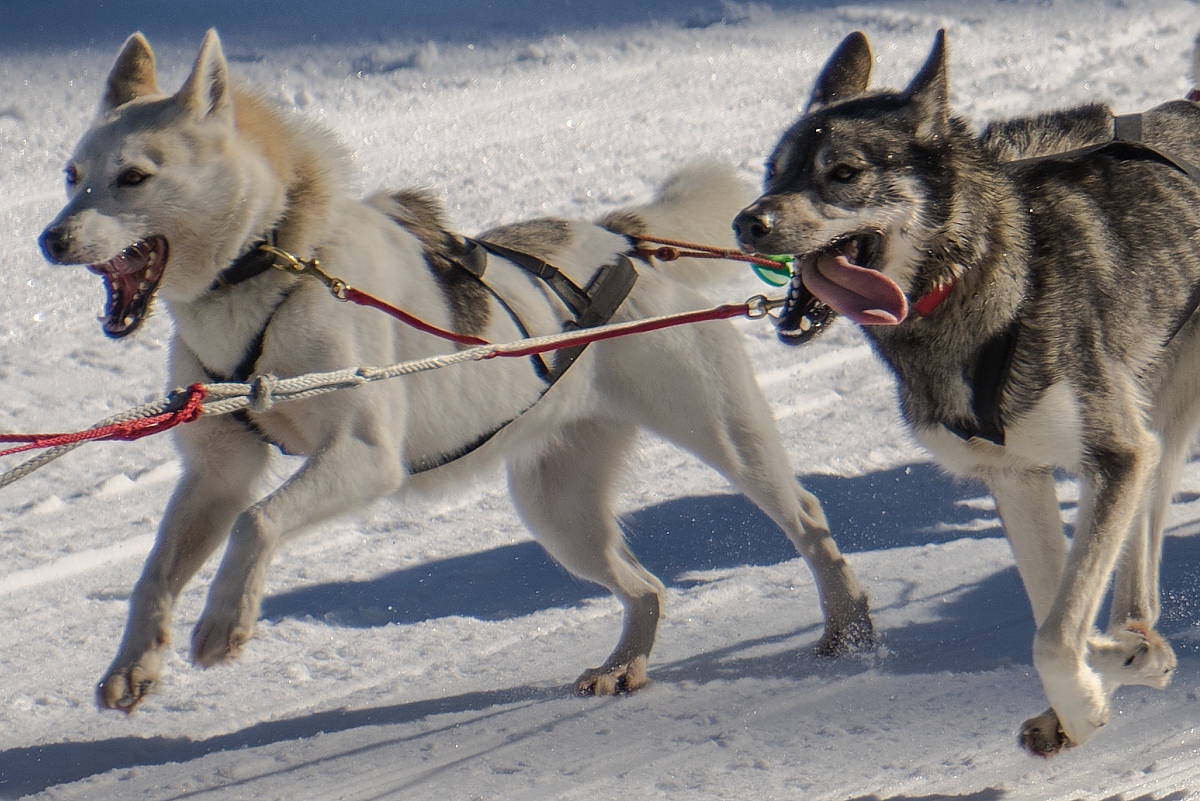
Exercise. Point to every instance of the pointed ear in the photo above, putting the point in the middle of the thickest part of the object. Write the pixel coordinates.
(845, 74)
(206, 91)
(132, 74)
(929, 93)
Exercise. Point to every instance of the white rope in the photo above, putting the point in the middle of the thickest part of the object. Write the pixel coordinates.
(49, 455)
(264, 391)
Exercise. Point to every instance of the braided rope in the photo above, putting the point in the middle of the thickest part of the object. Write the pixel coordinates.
(151, 409)
(264, 391)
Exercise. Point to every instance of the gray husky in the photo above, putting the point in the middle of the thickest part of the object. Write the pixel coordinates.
(1037, 310)
(172, 196)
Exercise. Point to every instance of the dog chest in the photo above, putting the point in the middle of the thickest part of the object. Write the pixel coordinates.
(1050, 434)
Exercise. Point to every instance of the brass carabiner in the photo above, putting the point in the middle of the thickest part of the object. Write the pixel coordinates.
(307, 267)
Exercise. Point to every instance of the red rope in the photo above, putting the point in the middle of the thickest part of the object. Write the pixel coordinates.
(125, 431)
(673, 249)
(191, 407)
(363, 299)
(587, 336)
(676, 249)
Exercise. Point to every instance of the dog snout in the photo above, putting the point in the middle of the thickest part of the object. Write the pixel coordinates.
(55, 242)
(753, 225)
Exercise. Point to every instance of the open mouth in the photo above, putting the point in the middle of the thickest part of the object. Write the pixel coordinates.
(804, 316)
(131, 278)
(840, 278)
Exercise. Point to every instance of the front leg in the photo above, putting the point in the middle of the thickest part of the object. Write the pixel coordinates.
(360, 463)
(1028, 506)
(1112, 492)
(221, 465)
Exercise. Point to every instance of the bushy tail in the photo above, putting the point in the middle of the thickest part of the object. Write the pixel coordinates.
(696, 204)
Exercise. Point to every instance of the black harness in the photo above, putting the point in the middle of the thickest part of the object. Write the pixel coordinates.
(994, 360)
(588, 306)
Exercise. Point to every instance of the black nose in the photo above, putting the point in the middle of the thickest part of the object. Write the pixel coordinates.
(55, 243)
(752, 225)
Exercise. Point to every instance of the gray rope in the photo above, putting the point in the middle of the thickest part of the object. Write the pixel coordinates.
(264, 391)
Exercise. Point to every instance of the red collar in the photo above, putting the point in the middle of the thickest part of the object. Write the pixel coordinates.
(929, 302)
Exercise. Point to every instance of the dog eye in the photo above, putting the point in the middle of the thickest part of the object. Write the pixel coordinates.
(72, 174)
(131, 177)
(843, 173)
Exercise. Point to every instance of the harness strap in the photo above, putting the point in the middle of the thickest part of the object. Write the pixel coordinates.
(1127, 140)
(575, 298)
(423, 464)
(594, 305)
(473, 260)
(252, 263)
(990, 373)
(245, 368)
(605, 293)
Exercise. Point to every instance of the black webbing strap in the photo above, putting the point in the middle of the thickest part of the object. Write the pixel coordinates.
(1127, 134)
(591, 306)
(990, 373)
(253, 262)
(605, 293)
(575, 298)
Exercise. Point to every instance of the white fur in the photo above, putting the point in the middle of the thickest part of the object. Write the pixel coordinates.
(227, 170)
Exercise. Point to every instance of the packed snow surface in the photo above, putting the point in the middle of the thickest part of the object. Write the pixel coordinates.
(424, 648)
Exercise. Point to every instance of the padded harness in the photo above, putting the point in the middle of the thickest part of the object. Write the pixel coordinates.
(589, 306)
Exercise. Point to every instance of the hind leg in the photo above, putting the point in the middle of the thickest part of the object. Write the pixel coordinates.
(1141, 655)
(744, 448)
(1132, 652)
(564, 496)
(703, 397)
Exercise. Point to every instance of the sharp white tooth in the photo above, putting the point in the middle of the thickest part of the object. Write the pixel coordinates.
(805, 324)
(151, 257)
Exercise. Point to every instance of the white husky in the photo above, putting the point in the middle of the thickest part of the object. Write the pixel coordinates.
(170, 196)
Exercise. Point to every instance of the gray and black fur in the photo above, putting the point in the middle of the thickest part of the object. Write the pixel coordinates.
(1085, 269)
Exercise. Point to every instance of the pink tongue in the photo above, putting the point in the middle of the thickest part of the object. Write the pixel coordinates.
(862, 294)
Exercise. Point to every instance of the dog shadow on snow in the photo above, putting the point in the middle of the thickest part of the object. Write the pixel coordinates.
(913, 505)
(982, 626)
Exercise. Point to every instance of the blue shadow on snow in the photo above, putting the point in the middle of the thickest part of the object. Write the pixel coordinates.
(879, 511)
(984, 625)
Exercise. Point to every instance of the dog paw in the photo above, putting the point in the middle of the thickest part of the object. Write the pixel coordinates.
(1077, 693)
(1137, 654)
(856, 636)
(618, 679)
(214, 642)
(1043, 736)
(125, 687)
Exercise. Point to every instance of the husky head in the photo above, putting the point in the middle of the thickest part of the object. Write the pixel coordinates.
(850, 190)
(159, 190)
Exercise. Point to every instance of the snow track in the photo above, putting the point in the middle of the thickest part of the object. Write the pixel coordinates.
(424, 648)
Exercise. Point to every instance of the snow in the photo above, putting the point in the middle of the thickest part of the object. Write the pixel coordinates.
(424, 648)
